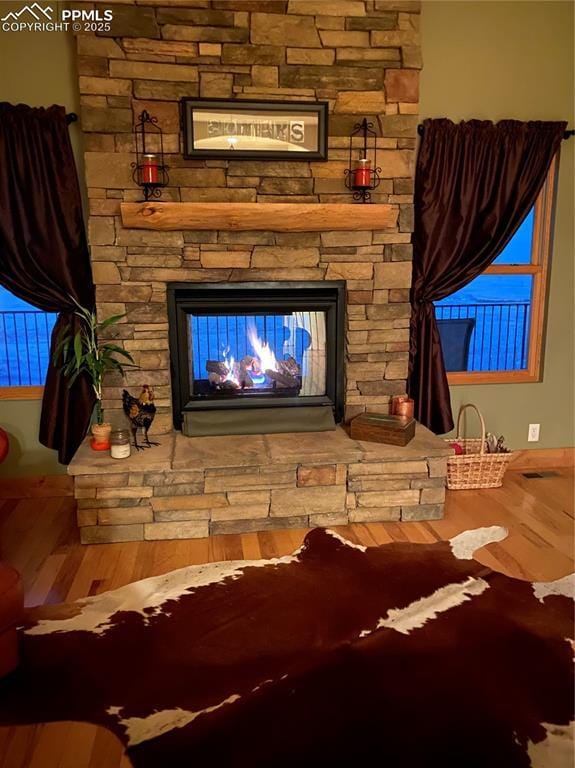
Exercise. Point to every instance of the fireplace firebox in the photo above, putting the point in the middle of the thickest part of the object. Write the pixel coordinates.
(271, 346)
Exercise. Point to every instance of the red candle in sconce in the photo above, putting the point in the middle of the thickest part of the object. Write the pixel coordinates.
(150, 169)
(362, 174)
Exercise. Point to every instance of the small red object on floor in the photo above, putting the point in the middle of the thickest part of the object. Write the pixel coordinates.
(4, 445)
(11, 605)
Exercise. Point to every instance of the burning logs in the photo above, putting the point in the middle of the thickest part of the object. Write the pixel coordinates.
(283, 379)
(219, 375)
(290, 366)
(287, 373)
(247, 374)
(218, 367)
(245, 379)
(229, 377)
(248, 365)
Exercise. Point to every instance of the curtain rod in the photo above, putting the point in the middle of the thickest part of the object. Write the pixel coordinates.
(72, 117)
(566, 134)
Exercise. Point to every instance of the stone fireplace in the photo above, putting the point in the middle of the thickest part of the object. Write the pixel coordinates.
(274, 347)
(363, 58)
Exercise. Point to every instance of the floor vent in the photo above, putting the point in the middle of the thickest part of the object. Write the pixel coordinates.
(548, 473)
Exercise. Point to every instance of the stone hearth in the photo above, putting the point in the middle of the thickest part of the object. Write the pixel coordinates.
(189, 488)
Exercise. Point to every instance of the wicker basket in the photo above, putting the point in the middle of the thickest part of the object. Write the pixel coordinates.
(475, 468)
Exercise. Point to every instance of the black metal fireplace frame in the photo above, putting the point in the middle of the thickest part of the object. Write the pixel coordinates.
(264, 297)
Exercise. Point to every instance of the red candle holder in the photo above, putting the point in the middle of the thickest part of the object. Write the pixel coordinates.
(150, 169)
(362, 174)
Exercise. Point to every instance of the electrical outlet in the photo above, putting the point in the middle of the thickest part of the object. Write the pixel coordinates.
(533, 434)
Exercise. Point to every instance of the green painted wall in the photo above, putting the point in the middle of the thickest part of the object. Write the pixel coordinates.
(37, 69)
(495, 60)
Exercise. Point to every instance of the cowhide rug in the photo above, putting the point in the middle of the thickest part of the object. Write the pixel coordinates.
(400, 656)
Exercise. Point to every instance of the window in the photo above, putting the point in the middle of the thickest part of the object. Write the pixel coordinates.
(25, 333)
(492, 330)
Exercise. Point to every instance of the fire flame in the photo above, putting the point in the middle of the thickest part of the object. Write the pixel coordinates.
(230, 364)
(262, 350)
(266, 360)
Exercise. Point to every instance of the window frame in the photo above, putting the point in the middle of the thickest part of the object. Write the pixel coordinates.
(538, 267)
(21, 393)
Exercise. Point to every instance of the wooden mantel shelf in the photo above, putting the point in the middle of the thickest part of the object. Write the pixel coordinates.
(275, 217)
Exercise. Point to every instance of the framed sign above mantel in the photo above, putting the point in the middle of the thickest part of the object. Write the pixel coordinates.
(254, 130)
(273, 217)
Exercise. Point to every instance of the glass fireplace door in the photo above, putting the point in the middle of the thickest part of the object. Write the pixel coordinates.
(256, 345)
(240, 355)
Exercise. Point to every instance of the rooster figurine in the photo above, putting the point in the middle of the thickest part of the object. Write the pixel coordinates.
(141, 412)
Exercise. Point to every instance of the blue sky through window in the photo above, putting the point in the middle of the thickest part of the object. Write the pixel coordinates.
(25, 333)
(518, 250)
(499, 308)
(487, 289)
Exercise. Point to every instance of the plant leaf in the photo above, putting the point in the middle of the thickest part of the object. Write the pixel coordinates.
(89, 356)
(78, 349)
(110, 321)
(73, 378)
(61, 350)
(118, 351)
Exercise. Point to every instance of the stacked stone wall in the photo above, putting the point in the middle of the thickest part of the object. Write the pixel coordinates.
(363, 58)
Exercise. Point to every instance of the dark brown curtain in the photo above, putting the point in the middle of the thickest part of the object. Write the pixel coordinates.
(43, 252)
(475, 182)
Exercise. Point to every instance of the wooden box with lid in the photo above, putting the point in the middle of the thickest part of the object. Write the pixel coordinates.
(382, 428)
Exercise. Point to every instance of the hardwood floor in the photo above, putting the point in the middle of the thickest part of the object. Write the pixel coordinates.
(38, 536)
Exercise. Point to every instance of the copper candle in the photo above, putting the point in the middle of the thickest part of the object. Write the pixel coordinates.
(405, 408)
(396, 400)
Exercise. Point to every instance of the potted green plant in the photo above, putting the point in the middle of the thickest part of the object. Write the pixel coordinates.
(82, 352)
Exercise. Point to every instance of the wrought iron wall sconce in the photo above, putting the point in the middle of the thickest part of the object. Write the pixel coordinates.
(150, 171)
(362, 175)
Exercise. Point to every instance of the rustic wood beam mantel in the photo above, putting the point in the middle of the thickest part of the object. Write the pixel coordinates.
(275, 217)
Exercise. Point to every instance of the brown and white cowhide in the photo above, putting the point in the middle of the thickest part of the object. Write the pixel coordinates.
(402, 656)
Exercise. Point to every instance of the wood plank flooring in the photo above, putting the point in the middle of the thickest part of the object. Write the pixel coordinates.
(39, 537)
